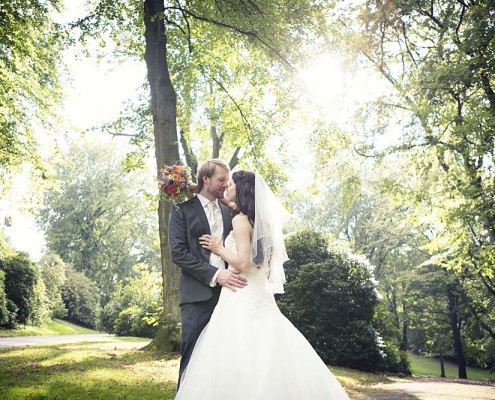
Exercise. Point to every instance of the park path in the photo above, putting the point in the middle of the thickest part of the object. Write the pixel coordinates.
(19, 341)
(428, 389)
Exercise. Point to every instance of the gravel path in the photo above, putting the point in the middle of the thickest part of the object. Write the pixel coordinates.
(19, 341)
(429, 389)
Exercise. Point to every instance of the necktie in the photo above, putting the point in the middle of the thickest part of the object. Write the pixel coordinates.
(215, 219)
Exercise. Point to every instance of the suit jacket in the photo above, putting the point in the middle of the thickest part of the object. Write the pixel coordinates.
(187, 223)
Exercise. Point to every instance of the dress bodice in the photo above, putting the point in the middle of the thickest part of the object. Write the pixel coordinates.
(258, 285)
(230, 242)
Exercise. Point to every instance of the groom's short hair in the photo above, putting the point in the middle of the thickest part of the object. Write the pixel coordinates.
(207, 169)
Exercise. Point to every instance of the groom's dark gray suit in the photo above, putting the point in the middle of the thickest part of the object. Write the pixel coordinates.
(188, 222)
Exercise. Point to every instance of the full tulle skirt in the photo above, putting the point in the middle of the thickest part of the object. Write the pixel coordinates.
(251, 351)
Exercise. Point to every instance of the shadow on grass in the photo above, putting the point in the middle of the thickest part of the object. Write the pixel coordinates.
(377, 394)
(354, 378)
(77, 371)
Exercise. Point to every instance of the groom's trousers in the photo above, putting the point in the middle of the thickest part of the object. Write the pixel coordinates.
(194, 317)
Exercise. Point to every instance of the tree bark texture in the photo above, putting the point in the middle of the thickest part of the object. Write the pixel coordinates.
(456, 332)
(404, 343)
(164, 109)
(442, 367)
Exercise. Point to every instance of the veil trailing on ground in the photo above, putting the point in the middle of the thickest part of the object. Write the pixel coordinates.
(268, 248)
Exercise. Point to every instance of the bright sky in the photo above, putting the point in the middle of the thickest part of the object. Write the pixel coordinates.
(99, 88)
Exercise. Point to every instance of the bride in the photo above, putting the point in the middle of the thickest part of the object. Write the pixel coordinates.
(249, 350)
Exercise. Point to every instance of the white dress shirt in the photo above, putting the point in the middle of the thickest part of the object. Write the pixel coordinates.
(216, 228)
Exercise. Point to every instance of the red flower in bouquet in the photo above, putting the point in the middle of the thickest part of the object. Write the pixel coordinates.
(172, 189)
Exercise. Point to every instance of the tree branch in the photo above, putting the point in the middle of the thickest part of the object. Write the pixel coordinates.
(406, 40)
(250, 34)
(122, 134)
(235, 158)
(461, 19)
(243, 117)
(489, 91)
(189, 44)
(429, 14)
(189, 154)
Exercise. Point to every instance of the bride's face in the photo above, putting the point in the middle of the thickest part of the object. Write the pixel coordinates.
(230, 192)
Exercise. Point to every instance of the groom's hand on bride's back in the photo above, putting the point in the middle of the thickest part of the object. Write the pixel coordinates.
(231, 280)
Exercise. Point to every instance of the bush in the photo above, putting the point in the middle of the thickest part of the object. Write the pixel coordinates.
(4, 312)
(41, 304)
(396, 361)
(11, 322)
(132, 322)
(332, 303)
(81, 298)
(134, 300)
(297, 249)
(53, 273)
(20, 281)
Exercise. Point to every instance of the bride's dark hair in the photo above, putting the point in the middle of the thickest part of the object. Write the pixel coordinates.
(244, 193)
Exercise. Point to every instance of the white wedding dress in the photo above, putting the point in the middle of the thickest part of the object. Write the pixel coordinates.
(250, 351)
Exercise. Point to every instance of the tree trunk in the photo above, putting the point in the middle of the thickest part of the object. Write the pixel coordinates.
(215, 141)
(442, 367)
(456, 332)
(189, 155)
(164, 109)
(404, 343)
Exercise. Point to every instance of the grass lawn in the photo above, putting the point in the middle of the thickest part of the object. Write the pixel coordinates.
(113, 368)
(110, 369)
(427, 366)
(116, 368)
(55, 327)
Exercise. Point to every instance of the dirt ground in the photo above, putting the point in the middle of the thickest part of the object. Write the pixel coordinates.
(427, 389)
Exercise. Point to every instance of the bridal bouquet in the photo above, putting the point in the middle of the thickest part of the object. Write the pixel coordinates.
(174, 181)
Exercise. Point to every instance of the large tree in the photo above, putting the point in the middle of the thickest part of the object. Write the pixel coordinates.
(30, 52)
(438, 59)
(96, 217)
(172, 32)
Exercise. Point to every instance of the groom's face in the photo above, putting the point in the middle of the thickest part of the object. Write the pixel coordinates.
(216, 185)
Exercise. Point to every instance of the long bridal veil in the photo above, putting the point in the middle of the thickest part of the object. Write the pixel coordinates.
(268, 247)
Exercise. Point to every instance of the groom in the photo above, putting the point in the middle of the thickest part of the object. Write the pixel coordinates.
(202, 273)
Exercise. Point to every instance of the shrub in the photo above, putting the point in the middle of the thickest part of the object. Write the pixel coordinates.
(131, 322)
(20, 281)
(4, 312)
(134, 299)
(41, 304)
(53, 273)
(81, 298)
(11, 322)
(332, 303)
(297, 249)
(396, 360)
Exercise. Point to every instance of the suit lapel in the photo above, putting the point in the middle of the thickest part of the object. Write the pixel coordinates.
(200, 211)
